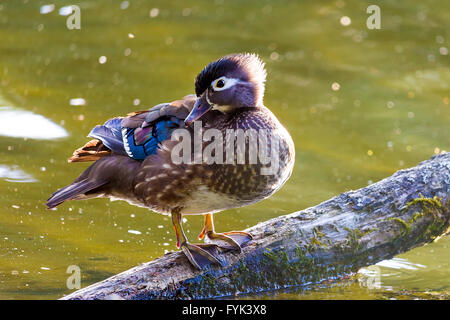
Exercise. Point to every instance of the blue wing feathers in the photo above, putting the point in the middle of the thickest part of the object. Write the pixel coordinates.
(140, 144)
(110, 134)
(137, 137)
(115, 125)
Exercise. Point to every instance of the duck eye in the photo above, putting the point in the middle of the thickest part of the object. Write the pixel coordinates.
(220, 84)
(223, 83)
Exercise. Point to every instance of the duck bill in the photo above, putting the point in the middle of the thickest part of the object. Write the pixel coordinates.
(201, 107)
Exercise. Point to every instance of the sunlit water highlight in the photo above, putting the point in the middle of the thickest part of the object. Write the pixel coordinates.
(18, 123)
(14, 174)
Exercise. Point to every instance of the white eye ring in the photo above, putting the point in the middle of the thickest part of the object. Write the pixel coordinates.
(227, 82)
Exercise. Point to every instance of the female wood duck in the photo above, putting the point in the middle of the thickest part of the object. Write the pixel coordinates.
(134, 155)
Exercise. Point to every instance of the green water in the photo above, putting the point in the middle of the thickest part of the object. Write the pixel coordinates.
(391, 112)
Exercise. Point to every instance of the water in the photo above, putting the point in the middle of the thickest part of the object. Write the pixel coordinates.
(360, 105)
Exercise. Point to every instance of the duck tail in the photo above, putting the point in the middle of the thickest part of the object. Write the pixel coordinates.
(74, 191)
(88, 185)
(113, 173)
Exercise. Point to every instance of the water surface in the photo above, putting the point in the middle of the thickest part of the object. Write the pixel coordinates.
(360, 105)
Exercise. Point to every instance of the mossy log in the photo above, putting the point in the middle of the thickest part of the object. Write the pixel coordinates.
(333, 239)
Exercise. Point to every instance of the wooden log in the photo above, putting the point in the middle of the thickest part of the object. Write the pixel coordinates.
(335, 238)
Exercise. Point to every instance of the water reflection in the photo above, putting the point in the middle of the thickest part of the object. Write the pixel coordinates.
(14, 174)
(47, 8)
(398, 263)
(18, 123)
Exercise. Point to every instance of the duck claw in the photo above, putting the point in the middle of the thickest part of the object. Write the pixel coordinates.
(233, 240)
(202, 255)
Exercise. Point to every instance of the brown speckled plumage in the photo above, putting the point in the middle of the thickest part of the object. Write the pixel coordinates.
(162, 188)
(133, 155)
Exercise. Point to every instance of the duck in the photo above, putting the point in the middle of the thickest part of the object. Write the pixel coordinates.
(220, 148)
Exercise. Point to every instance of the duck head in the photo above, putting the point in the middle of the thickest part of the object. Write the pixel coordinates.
(227, 84)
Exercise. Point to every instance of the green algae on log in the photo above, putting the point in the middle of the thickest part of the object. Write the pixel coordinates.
(325, 242)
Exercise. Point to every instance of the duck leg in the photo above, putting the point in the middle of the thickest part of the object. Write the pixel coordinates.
(199, 255)
(232, 240)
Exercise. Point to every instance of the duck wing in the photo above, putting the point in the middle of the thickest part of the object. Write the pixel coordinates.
(137, 135)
